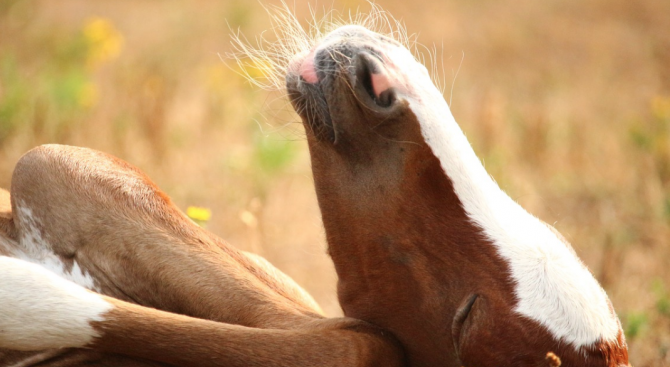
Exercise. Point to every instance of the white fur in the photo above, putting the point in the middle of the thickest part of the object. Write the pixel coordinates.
(40, 310)
(32, 247)
(553, 286)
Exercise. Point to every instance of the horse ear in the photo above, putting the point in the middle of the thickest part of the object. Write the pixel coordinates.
(458, 325)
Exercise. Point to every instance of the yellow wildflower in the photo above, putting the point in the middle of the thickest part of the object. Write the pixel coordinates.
(199, 214)
(104, 41)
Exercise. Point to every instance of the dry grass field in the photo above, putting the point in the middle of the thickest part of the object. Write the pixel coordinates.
(566, 102)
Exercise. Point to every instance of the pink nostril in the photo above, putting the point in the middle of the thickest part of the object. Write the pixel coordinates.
(380, 83)
(307, 69)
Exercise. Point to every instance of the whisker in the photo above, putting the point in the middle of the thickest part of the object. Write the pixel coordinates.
(265, 61)
(455, 76)
(273, 58)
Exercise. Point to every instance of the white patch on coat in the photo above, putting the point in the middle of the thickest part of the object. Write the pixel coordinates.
(40, 310)
(553, 286)
(33, 248)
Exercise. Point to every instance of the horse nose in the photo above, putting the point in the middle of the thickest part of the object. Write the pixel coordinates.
(337, 49)
(354, 53)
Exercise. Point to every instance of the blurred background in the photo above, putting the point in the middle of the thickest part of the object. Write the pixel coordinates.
(566, 102)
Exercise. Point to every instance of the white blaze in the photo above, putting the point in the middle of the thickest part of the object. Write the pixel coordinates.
(553, 287)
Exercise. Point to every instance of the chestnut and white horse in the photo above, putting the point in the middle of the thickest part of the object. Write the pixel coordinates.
(427, 248)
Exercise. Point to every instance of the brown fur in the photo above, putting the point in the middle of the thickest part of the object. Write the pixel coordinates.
(195, 342)
(107, 216)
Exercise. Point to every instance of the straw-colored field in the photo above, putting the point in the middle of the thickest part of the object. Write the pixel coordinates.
(567, 103)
